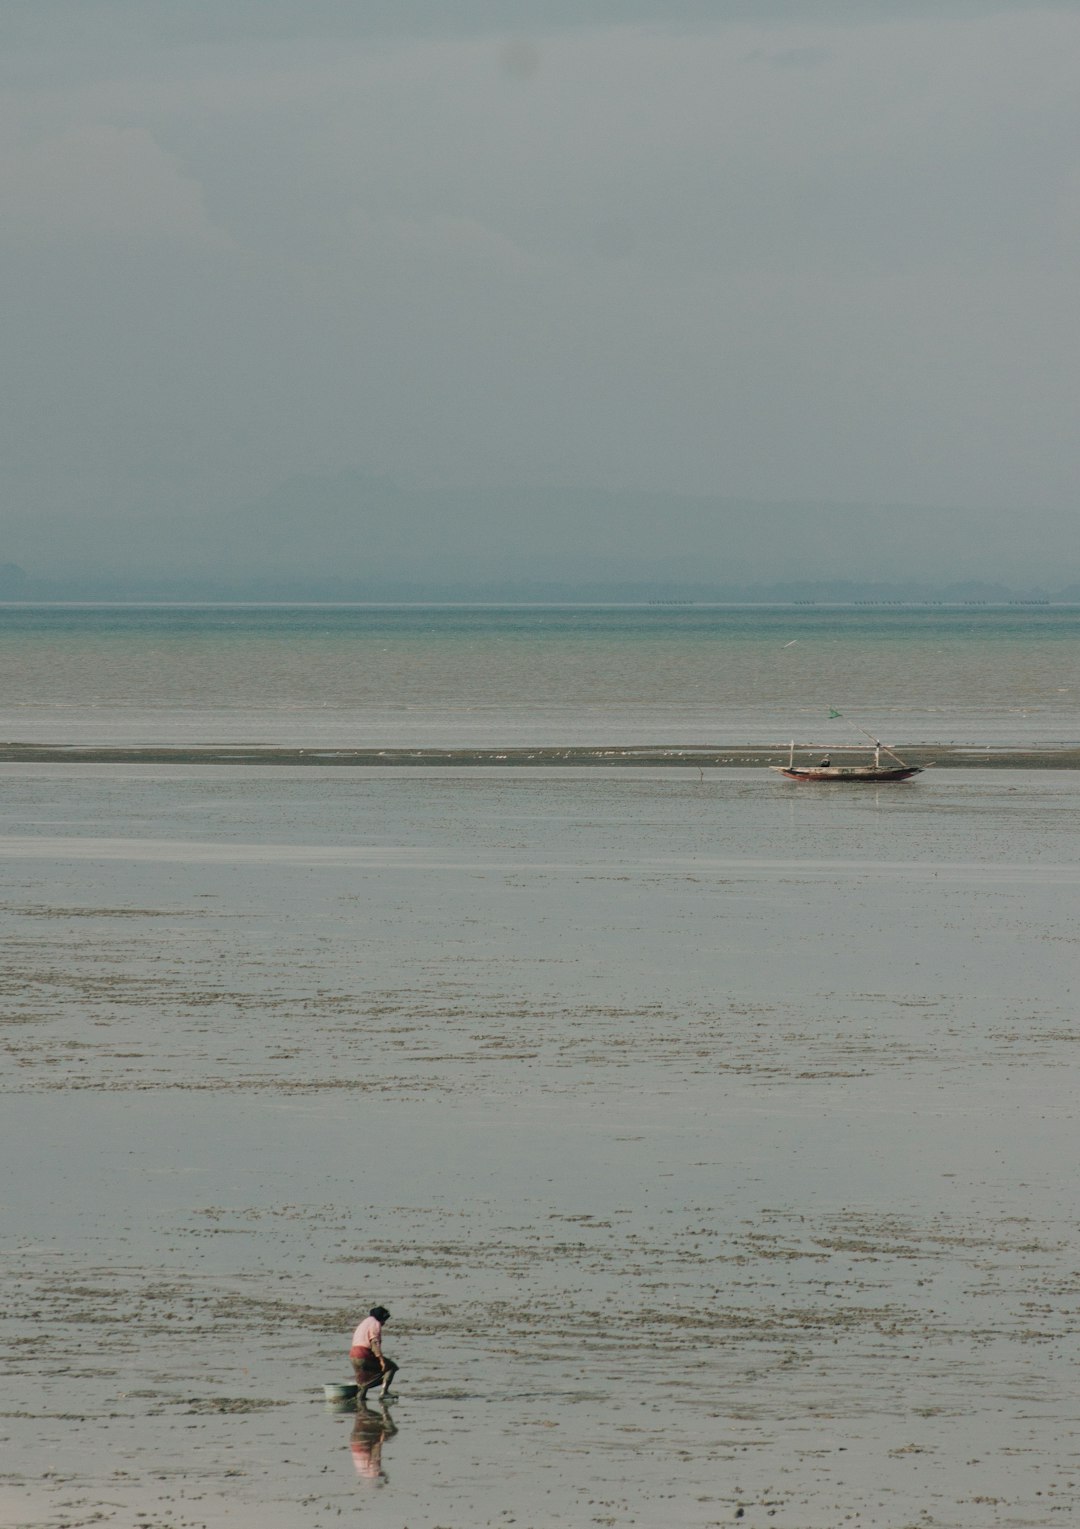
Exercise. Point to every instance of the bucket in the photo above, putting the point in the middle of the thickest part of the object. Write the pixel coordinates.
(340, 1393)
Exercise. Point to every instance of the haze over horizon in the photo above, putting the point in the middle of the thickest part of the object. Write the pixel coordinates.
(731, 292)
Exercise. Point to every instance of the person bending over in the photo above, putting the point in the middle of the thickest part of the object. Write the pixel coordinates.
(369, 1362)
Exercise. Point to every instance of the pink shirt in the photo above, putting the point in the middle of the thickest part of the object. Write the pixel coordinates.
(369, 1332)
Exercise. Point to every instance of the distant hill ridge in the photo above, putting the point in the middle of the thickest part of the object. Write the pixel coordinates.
(356, 535)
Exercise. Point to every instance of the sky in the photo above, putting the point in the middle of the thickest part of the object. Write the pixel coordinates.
(812, 252)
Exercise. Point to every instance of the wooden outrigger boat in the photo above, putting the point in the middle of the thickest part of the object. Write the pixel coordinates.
(825, 770)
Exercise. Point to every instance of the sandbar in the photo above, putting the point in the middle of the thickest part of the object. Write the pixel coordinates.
(944, 756)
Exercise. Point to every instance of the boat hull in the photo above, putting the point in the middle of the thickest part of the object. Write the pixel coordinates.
(853, 774)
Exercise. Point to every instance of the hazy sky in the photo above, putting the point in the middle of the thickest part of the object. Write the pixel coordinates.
(781, 251)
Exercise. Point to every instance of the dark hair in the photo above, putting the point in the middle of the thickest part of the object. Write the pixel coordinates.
(380, 1313)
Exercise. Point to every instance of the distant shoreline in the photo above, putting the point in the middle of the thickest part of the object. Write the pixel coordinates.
(690, 756)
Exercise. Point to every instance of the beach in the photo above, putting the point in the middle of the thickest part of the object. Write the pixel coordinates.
(703, 1134)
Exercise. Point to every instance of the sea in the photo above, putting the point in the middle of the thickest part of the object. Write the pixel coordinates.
(710, 1138)
(485, 676)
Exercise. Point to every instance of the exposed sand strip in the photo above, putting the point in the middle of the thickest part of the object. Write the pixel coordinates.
(1050, 756)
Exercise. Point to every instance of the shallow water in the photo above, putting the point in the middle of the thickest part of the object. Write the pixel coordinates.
(460, 677)
(705, 1138)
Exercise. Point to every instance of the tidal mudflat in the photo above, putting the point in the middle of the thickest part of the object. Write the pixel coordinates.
(711, 1141)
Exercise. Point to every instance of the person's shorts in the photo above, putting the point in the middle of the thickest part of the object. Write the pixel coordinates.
(365, 1364)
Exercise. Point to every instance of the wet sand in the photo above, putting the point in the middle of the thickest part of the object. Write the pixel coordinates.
(709, 1141)
(648, 756)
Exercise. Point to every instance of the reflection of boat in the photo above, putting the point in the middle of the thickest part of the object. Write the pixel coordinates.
(825, 770)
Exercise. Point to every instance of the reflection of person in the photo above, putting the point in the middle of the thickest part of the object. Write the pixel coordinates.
(366, 1442)
(368, 1360)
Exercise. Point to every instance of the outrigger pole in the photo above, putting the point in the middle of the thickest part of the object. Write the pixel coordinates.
(878, 745)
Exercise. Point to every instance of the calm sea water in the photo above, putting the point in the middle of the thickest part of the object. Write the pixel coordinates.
(562, 1064)
(541, 675)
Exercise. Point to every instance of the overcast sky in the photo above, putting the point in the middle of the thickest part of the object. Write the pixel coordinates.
(819, 251)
